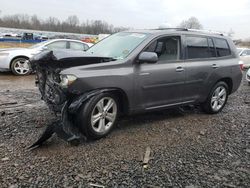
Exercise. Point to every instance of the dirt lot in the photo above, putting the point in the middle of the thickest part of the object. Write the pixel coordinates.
(188, 148)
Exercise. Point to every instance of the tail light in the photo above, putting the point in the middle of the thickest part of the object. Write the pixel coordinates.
(241, 65)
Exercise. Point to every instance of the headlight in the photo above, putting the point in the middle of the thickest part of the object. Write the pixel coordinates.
(67, 80)
(4, 54)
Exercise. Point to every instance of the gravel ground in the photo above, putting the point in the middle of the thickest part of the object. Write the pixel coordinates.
(188, 148)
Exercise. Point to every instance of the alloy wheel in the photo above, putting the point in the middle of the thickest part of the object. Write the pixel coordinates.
(21, 66)
(103, 115)
(218, 98)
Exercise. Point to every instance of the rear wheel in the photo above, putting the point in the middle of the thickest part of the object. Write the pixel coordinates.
(21, 66)
(216, 99)
(98, 116)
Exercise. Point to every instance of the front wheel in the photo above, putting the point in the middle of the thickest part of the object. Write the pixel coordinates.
(216, 99)
(98, 116)
(21, 66)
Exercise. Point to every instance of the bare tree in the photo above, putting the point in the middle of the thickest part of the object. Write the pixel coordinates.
(191, 23)
(35, 22)
(72, 20)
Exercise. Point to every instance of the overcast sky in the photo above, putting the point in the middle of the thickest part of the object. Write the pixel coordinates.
(221, 15)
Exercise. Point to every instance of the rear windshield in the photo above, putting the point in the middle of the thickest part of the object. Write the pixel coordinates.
(119, 45)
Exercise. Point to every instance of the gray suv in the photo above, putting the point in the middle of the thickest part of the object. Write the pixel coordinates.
(136, 71)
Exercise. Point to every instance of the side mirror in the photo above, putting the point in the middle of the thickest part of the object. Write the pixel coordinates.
(148, 57)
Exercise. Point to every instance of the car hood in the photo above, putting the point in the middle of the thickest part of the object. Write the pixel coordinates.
(11, 49)
(63, 59)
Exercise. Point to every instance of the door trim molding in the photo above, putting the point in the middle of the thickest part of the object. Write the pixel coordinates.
(170, 105)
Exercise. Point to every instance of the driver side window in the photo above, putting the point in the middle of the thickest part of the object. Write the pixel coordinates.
(166, 48)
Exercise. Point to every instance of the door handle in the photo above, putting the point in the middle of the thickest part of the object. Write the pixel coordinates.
(214, 66)
(179, 69)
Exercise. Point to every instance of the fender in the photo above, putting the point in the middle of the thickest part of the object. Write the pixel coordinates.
(79, 100)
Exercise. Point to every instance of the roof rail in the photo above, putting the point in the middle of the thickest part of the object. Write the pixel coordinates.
(174, 28)
(206, 31)
(192, 30)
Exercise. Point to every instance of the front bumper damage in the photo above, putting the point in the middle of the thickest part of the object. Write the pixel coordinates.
(65, 105)
(65, 127)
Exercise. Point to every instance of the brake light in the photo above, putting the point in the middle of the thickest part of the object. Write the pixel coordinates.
(241, 65)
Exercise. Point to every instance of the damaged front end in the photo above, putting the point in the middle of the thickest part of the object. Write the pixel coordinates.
(53, 87)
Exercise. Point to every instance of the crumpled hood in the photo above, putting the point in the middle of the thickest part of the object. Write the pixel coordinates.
(63, 59)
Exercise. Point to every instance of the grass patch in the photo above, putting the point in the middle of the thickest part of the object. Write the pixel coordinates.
(14, 45)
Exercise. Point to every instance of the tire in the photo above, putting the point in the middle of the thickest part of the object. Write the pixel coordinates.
(89, 112)
(215, 103)
(21, 66)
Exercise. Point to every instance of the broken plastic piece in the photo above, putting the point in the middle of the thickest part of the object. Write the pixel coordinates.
(64, 129)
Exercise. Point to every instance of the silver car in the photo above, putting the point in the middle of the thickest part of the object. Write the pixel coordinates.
(16, 59)
(248, 76)
(244, 54)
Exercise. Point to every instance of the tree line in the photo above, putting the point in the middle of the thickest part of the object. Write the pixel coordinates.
(72, 24)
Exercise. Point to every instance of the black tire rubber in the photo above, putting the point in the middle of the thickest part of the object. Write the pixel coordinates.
(83, 119)
(13, 64)
(206, 106)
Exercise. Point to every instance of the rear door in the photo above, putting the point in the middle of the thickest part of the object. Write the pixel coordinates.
(162, 84)
(200, 64)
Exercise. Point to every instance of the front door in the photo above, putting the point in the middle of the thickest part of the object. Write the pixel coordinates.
(161, 84)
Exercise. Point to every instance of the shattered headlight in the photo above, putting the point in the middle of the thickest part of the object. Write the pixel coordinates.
(67, 80)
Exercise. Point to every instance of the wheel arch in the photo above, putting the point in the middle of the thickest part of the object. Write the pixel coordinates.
(19, 56)
(77, 102)
(229, 83)
(123, 99)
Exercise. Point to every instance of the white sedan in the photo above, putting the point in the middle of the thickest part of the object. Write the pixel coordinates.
(248, 76)
(244, 54)
(16, 59)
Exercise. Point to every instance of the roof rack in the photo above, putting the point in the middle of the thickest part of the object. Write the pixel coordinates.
(193, 30)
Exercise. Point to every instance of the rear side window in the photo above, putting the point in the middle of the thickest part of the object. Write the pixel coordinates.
(222, 48)
(78, 46)
(197, 47)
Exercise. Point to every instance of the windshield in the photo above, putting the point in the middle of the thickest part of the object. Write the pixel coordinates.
(119, 45)
(38, 44)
